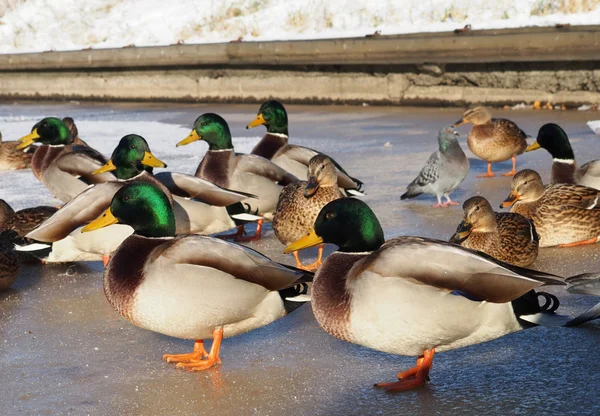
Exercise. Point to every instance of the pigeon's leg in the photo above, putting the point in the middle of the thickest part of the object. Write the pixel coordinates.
(449, 201)
(439, 203)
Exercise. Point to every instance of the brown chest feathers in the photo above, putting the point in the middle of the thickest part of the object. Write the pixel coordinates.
(330, 297)
(269, 145)
(44, 156)
(216, 167)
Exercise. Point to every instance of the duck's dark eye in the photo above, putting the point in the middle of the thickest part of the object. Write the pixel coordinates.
(322, 166)
(329, 215)
(125, 198)
(132, 146)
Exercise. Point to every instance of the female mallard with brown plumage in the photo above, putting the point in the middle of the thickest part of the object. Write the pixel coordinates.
(507, 236)
(64, 168)
(418, 296)
(25, 220)
(493, 139)
(9, 263)
(564, 168)
(293, 158)
(190, 287)
(563, 215)
(12, 157)
(300, 203)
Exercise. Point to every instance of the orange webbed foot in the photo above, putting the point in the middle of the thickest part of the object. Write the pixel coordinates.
(413, 378)
(198, 354)
(254, 237)
(580, 243)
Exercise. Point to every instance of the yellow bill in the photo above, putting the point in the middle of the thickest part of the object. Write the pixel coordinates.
(258, 121)
(192, 137)
(309, 240)
(28, 140)
(459, 122)
(510, 200)
(107, 218)
(150, 160)
(106, 168)
(534, 146)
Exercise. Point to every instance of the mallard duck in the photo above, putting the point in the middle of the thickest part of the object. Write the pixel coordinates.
(444, 171)
(131, 161)
(25, 220)
(9, 264)
(493, 139)
(11, 157)
(190, 287)
(418, 296)
(564, 215)
(564, 168)
(293, 158)
(300, 203)
(65, 169)
(246, 173)
(507, 236)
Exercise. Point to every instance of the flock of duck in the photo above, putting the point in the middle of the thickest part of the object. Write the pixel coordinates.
(410, 296)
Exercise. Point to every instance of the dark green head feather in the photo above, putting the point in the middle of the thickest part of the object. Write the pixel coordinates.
(351, 225)
(275, 116)
(53, 131)
(554, 139)
(214, 130)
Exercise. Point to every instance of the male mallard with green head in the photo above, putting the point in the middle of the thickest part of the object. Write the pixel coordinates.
(190, 287)
(564, 168)
(493, 139)
(417, 296)
(507, 236)
(132, 161)
(564, 215)
(300, 203)
(293, 158)
(65, 169)
(245, 173)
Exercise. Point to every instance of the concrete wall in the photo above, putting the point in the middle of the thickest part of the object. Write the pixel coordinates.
(493, 67)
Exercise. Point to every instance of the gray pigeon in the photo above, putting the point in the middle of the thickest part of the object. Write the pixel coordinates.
(444, 171)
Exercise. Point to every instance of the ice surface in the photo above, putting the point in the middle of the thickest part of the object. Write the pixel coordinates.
(64, 350)
(42, 25)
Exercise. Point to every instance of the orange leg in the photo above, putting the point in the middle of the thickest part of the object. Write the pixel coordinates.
(310, 267)
(581, 243)
(449, 201)
(489, 173)
(239, 233)
(213, 356)
(514, 169)
(105, 259)
(256, 236)
(198, 354)
(413, 378)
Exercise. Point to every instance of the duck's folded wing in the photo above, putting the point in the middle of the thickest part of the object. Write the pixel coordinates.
(190, 186)
(234, 259)
(453, 268)
(263, 167)
(82, 163)
(82, 209)
(303, 155)
(574, 195)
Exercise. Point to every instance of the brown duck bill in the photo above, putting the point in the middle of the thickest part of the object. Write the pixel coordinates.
(510, 200)
(311, 187)
(458, 123)
(463, 231)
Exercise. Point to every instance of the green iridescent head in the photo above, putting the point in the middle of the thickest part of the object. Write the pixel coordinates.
(141, 205)
(51, 130)
(213, 129)
(131, 156)
(348, 223)
(272, 114)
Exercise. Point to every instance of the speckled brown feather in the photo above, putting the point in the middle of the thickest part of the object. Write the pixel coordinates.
(497, 140)
(513, 241)
(9, 265)
(25, 220)
(562, 213)
(295, 214)
(12, 158)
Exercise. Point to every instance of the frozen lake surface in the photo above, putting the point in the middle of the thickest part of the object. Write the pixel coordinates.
(64, 350)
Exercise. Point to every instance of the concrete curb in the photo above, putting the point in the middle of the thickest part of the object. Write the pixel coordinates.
(494, 67)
